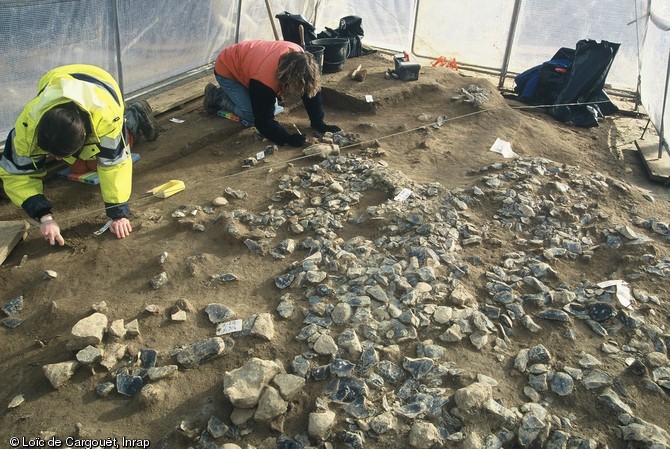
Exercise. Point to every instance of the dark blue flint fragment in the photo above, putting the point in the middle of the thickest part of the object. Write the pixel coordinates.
(353, 440)
(148, 358)
(341, 367)
(554, 315)
(216, 427)
(12, 306)
(284, 280)
(12, 322)
(601, 311)
(346, 389)
(128, 385)
(283, 442)
(418, 367)
(321, 372)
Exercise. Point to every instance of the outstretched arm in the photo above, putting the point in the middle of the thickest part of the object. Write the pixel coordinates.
(263, 105)
(314, 108)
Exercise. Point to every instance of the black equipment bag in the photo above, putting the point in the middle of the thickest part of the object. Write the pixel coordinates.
(290, 28)
(586, 80)
(350, 28)
(571, 83)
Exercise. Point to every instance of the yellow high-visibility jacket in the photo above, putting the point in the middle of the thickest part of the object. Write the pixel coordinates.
(23, 163)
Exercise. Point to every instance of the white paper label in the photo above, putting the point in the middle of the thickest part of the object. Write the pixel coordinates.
(403, 195)
(176, 120)
(229, 327)
(260, 155)
(369, 99)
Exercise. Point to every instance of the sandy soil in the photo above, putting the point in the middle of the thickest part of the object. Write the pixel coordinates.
(207, 152)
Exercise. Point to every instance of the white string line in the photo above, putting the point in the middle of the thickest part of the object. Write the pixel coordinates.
(362, 143)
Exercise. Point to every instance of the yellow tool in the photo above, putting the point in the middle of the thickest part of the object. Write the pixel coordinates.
(168, 189)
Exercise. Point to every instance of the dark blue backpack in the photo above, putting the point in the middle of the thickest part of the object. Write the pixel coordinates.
(543, 83)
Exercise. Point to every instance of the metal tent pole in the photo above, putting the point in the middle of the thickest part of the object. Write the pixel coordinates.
(416, 18)
(239, 19)
(510, 41)
(661, 140)
(117, 43)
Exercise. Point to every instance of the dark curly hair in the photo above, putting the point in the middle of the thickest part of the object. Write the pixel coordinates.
(62, 130)
(299, 73)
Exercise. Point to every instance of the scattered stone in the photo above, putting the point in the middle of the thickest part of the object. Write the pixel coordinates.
(320, 424)
(49, 274)
(225, 277)
(151, 394)
(424, 435)
(179, 316)
(118, 328)
(597, 379)
(321, 150)
(219, 201)
(60, 373)
(562, 384)
(270, 405)
(105, 389)
(218, 313)
(13, 306)
(88, 331)
(614, 402)
(153, 309)
(195, 354)
(650, 434)
(289, 385)
(90, 355)
(16, 401)
(12, 323)
(243, 386)
(263, 327)
(128, 384)
(473, 397)
(159, 280)
(133, 328)
(162, 372)
(325, 345)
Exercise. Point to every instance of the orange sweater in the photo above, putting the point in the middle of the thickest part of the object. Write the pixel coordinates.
(255, 59)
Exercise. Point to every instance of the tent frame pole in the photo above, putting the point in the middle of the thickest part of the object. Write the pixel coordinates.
(117, 43)
(661, 140)
(239, 20)
(510, 42)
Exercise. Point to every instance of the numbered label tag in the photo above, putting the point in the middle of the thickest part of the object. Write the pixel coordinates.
(229, 327)
(403, 195)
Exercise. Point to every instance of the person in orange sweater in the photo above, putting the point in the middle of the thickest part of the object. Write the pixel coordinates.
(252, 74)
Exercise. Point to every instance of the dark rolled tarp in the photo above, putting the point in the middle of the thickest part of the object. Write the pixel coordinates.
(586, 79)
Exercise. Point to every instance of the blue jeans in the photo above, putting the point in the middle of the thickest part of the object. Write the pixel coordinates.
(239, 95)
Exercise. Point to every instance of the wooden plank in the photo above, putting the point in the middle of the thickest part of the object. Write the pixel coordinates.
(658, 169)
(178, 96)
(11, 233)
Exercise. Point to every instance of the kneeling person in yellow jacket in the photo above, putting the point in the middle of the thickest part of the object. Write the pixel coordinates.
(77, 115)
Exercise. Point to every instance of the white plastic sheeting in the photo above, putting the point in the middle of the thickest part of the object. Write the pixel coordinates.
(655, 65)
(150, 43)
(141, 42)
(544, 27)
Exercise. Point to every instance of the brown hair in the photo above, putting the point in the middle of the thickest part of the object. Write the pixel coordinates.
(62, 130)
(299, 73)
